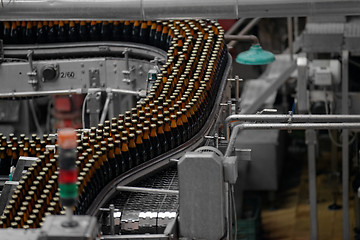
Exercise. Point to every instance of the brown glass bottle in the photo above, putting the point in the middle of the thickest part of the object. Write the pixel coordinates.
(147, 143)
(118, 156)
(143, 155)
(133, 151)
(154, 140)
(126, 154)
(112, 161)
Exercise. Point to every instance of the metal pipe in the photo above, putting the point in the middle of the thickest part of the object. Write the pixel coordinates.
(244, 31)
(296, 27)
(290, 37)
(293, 118)
(69, 92)
(146, 190)
(244, 38)
(135, 236)
(237, 95)
(106, 108)
(112, 223)
(285, 126)
(311, 142)
(12, 10)
(345, 146)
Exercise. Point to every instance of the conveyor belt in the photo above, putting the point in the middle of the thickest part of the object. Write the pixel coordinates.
(195, 73)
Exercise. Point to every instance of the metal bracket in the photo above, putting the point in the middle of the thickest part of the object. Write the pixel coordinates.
(94, 78)
(216, 138)
(33, 75)
(267, 110)
(127, 70)
(93, 108)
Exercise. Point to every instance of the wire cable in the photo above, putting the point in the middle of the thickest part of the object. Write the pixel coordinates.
(83, 110)
(35, 118)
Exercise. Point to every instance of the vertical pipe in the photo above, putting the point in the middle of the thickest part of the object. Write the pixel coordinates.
(290, 37)
(112, 223)
(310, 141)
(296, 27)
(345, 147)
(237, 95)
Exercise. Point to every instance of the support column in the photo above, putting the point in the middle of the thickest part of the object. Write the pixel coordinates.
(311, 142)
(345, 146)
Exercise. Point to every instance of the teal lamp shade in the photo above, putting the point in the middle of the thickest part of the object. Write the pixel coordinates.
(255, 56)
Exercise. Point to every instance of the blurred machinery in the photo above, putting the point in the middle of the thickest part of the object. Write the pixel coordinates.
(163, 131)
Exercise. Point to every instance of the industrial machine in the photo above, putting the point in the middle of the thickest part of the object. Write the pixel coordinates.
(163, 136)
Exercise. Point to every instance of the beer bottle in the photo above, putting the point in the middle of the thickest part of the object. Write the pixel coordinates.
(133, 151)
(106, 31)
(4, 221)
(126, 33)
(83, 32)
(117, 31)
(6, 217)
(168, 134)
(94, 32)
(5, 164)
(164, 144)
(6, 34)
(34, 29)
(40, 33)
(157, 37)
(144, 33)
(103, 156)
(147, 143)
(62, 33)
(73, 33)
(118, 156)
(143, 155)
(126, 154)
(154, 140)
(163, 37)
(112, 160)
(135, 34)
(14, 156)
(52, 33)
(152, 33)
(180, 126)
(14, 34)
(175, 131)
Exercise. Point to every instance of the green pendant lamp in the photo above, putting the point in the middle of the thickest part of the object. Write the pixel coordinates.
(255, 56)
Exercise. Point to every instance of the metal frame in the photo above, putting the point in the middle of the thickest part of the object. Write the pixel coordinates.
(13, 10)
(78, 75)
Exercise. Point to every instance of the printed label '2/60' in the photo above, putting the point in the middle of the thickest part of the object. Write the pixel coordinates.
(67, 74)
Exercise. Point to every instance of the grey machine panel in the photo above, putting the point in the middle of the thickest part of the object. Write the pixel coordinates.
(74, 74)
(264, 168)
(202, 200)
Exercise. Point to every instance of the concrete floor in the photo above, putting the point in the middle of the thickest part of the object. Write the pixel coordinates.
(290, 218)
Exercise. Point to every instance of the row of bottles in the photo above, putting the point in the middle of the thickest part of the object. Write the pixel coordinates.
(147, 32)
(11, 148)
(176, 108)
